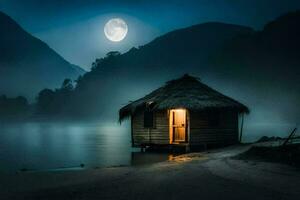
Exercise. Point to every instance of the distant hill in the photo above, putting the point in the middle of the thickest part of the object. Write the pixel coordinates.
(268, 64)
(27, 64)
(118, 79)
(258, 68)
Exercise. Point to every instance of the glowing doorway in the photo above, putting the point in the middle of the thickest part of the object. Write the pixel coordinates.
(178, 126)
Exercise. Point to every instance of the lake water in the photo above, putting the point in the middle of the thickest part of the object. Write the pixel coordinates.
(48, 146)
(44, 146)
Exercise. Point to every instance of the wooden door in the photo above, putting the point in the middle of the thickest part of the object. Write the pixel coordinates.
(179, 125)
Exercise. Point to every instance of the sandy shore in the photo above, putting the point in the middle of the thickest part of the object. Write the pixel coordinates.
(210, 175)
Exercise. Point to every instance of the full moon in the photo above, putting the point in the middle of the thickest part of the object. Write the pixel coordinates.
(115, 29)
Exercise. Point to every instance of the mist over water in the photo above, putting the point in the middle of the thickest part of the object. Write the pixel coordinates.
(37, 146)
(65, 146)
(51, 146)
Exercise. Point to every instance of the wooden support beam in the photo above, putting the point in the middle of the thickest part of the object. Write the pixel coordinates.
(290, 137)
(242, 126)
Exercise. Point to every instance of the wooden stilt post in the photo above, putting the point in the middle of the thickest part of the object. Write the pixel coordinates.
(289, 137)
(242, 126)
(187, 149)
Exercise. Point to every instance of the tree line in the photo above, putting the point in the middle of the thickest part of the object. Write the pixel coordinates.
(48, 102)
(59, 102)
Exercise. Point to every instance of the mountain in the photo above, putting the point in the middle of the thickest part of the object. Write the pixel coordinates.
(268, 62)
(118, 78)
(27, 64)
(260, 68)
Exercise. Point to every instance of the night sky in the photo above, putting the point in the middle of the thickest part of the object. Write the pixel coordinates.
(74, 28)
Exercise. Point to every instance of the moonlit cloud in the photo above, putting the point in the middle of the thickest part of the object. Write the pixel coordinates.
(83, 42)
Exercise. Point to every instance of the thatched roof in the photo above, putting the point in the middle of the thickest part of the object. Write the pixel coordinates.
(186, 92)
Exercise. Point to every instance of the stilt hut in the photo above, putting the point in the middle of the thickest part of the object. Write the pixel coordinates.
(184, 111)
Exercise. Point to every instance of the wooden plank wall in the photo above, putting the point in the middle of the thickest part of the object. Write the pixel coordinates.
(203, 132)
(157, 135)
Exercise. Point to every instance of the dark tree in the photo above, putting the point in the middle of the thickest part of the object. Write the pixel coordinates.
(13, 107)
(109, 59)
(45, 102)
(56, 102)
(113, 54)
(67, 85)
